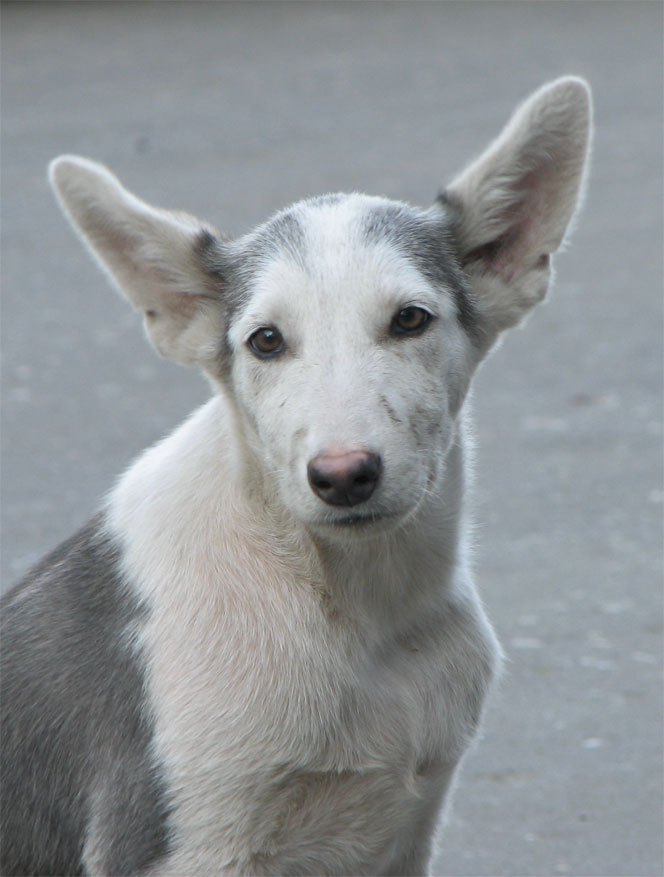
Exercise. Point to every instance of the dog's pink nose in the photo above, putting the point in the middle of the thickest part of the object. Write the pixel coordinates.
(344, 479)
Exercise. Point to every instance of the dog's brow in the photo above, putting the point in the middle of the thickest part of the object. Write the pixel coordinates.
(425, 240)
(283, 231)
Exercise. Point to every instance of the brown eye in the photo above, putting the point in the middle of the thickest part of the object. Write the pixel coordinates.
(410, 321)
(267, 341)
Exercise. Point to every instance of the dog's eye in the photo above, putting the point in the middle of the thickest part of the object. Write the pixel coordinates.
(410, 321)
(267, 341)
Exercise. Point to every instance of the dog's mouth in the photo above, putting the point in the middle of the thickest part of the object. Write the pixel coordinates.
(358, 519)
(359, 523)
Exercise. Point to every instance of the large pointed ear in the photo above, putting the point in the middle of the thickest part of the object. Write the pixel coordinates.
(510, 208)
(153, 256)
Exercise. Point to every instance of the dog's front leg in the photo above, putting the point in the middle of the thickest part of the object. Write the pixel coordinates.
(413, 856)
(415, 863)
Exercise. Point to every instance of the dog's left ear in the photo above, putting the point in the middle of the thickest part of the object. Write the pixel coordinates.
(510, 209)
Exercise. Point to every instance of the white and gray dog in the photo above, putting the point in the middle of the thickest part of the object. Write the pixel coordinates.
(265, 654)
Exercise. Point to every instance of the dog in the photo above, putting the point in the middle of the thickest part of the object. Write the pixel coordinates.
(265, 655)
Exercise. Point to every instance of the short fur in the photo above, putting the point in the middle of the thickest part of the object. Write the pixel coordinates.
(225, 672)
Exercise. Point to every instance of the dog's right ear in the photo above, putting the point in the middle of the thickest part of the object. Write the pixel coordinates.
(510, 208)
(153, 256)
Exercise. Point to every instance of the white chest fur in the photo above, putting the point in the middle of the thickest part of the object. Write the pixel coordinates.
(308, 705)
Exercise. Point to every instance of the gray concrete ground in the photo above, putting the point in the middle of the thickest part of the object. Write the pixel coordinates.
(231, 111)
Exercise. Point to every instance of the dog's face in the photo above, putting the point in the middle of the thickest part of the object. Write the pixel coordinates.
(349, 357)
(347, 328)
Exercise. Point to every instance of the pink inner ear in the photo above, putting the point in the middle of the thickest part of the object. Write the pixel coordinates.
(528, 219)
(184, 304)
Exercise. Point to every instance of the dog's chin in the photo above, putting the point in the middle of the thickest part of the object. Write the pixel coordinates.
(350, 527)
(359, 521)
(349, 524)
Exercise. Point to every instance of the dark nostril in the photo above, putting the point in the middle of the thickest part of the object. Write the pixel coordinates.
(344, 479)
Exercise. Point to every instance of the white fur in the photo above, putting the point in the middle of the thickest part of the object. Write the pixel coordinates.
(327, 394)
(348, 678)
(315, 685)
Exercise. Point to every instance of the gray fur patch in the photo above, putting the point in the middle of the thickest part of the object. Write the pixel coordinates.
(424, 238)
(78, 775)
(235, 263)
(232, 266)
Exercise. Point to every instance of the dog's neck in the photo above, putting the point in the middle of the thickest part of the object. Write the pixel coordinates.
(194, 486)
(364, 573)
(392, 575)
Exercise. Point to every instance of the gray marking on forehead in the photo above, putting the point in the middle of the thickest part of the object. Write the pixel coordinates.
(423, 236)
(235, 263)
(283, 232)
(232, 266)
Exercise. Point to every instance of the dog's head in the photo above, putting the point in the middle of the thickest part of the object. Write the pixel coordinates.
(346, 329)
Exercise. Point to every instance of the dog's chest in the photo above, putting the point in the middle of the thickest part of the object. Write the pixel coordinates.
(276, 721)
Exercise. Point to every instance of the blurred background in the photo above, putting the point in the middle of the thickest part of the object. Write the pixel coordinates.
(231, 110)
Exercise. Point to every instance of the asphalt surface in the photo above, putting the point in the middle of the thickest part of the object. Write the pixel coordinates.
(231, 111)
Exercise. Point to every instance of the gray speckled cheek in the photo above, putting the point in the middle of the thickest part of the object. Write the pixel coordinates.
(391, 413)
(424, 424)
(428, 403)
